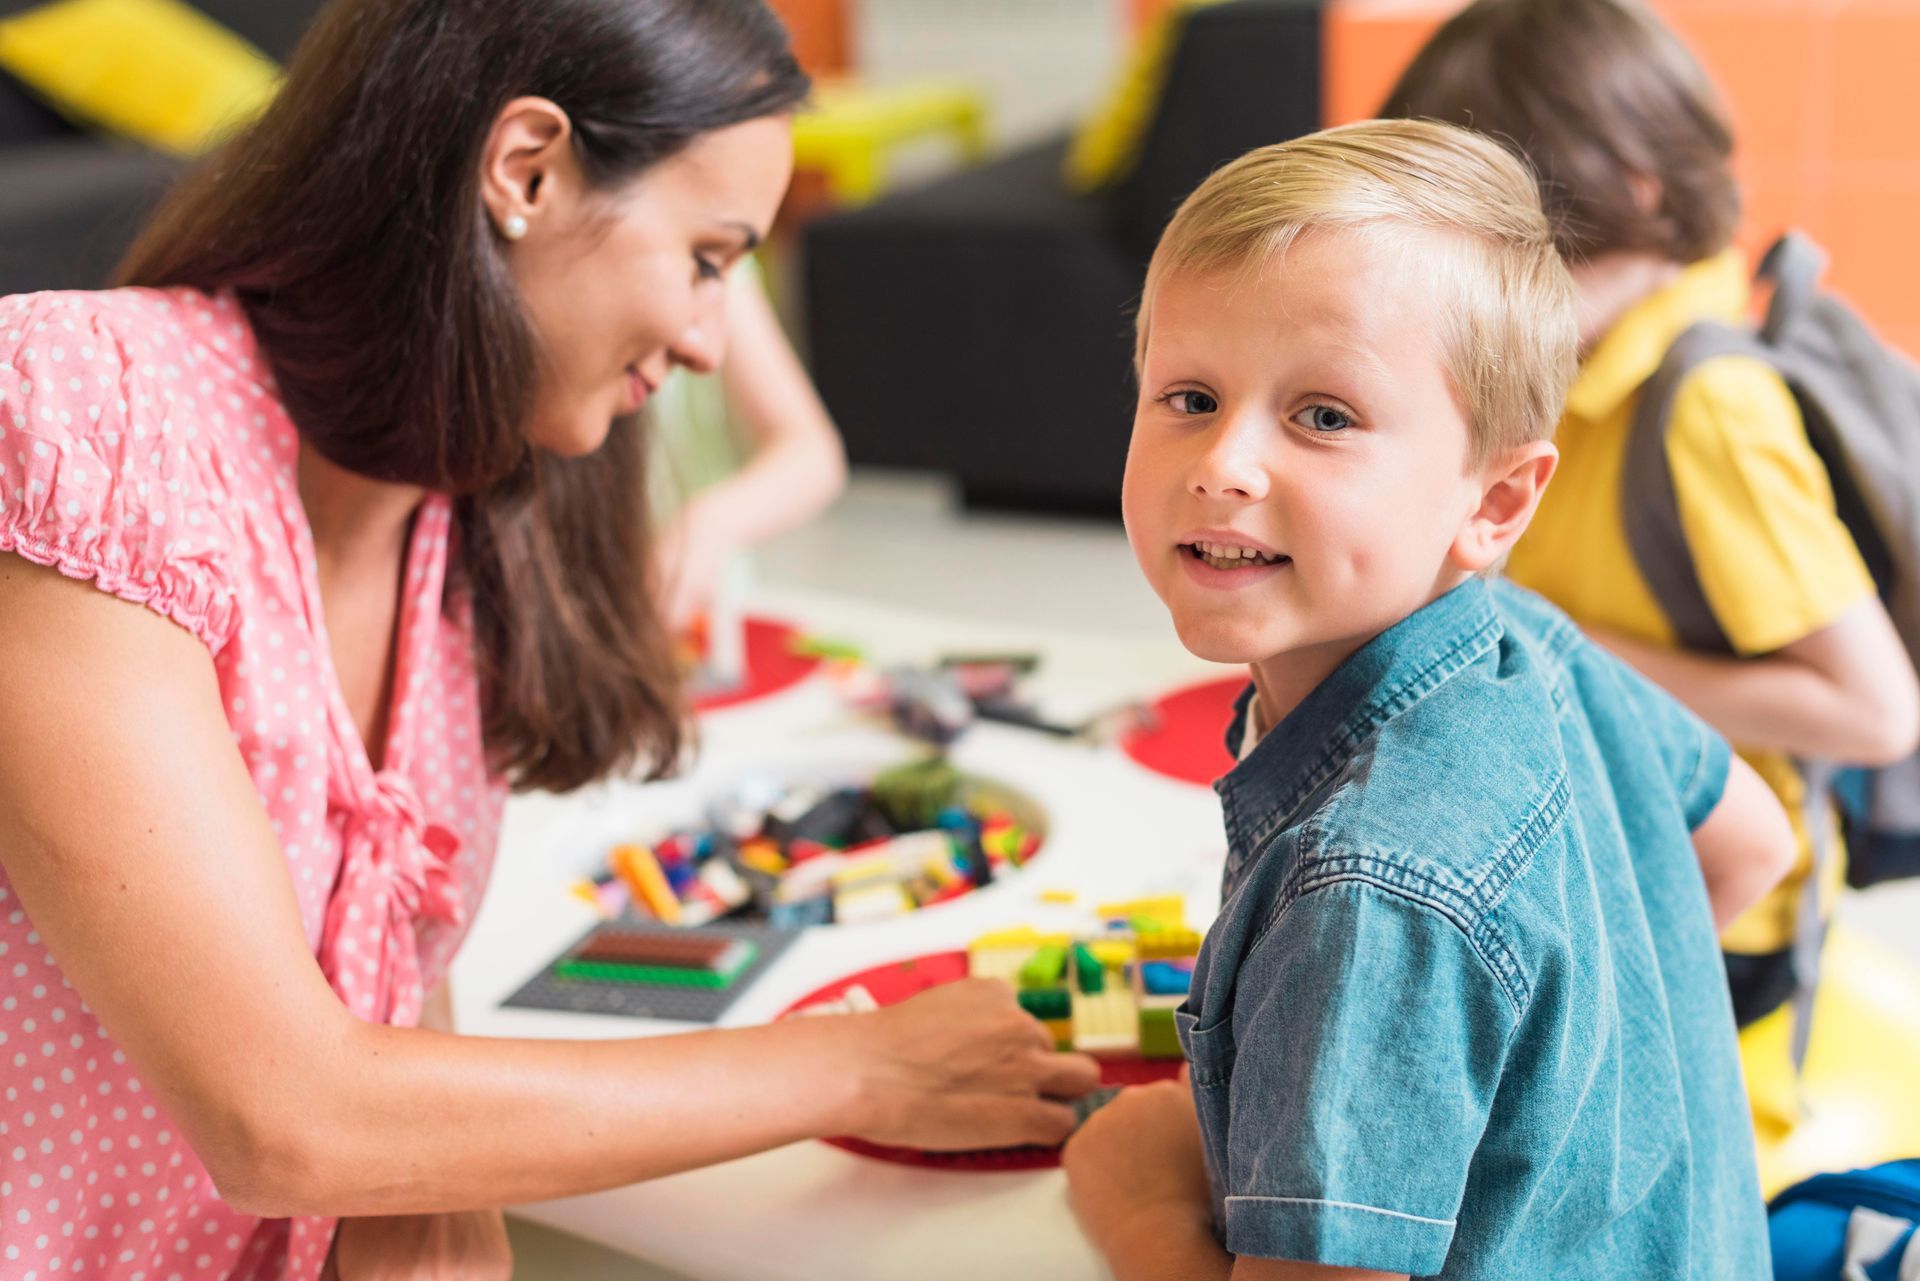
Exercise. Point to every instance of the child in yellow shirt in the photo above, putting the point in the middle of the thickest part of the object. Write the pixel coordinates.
(1630, 148)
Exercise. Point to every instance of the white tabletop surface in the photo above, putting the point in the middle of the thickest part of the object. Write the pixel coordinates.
(809, 1211)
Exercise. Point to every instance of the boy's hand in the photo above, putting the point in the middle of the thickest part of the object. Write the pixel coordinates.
(1135, 1172)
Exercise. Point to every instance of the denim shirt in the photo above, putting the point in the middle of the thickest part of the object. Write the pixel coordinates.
(1463, 1012)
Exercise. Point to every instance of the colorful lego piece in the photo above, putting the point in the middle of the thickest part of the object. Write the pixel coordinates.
(1159, 1039)
(1164, 978)
(1044, 968)
(637, 866)
(1119, 987)
(675, 961)
(1106, 1022)
(1088, 972)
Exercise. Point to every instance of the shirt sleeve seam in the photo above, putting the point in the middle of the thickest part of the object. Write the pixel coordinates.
(1345, 1205)
(1516, 1000)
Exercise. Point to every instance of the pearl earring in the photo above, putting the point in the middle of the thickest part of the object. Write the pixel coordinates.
(514, 228)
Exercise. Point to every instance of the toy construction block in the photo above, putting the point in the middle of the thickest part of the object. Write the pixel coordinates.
(1045, 968)
(666, 960)
(1159, 1038)
(637, 866)
(1165, 978)
(1106, 1022)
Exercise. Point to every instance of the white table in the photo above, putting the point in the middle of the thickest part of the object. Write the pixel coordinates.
(809, 1211)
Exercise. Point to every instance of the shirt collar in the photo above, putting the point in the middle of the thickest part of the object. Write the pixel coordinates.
(1712, 289)
(1387, 674)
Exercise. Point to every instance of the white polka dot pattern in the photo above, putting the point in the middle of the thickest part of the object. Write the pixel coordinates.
(143, 447)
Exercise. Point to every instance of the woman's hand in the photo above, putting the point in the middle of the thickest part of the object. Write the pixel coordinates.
(1136, 1176)
(963, 1066)
(422, 1247)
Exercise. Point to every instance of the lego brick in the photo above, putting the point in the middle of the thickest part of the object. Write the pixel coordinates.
(1047, 1004)
(1162, 978)
(641, 871)
(1045, 967)
(1092, 1101)
(1158, 1037)
(681, 951)
(1089, 974)
(1162, 945)
(546, 991)
(1106, 1022)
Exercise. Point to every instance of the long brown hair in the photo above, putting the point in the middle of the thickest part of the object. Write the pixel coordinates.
(1593, 93)
(348, 222)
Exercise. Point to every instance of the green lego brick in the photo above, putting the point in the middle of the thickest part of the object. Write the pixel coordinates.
(912, 795)
(1044, 967)
(1158, 1037)
(657, 975)
(1087, 968)
(1048, 1004)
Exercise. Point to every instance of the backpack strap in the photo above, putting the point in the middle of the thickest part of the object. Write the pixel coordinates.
(1651, 510)
(1794, 266)
(1648, 504)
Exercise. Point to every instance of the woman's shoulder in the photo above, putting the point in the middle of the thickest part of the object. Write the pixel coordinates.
(120, 435)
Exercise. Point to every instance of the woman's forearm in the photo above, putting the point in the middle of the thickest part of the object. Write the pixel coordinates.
(423, 1122)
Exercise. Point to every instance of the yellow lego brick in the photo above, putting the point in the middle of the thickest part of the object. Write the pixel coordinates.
(1171, 908)
(1113, 953)
(1064, 897)
(1062, 1032)
(1106, 1022)
(1163, 945)
(997, 962)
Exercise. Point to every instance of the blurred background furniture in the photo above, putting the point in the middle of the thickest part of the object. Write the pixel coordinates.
(982, 326)
(71, 200)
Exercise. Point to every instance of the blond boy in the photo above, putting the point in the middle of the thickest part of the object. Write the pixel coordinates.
(1462, 1013)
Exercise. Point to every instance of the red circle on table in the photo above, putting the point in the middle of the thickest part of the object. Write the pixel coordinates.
(1187, 738)
(771, 666)
(894, 982)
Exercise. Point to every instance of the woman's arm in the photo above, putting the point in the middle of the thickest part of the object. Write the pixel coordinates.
(134, 837)
(1846, 693)
(797, 466)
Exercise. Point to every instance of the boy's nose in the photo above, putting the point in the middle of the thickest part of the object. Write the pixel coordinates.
(1228, 468)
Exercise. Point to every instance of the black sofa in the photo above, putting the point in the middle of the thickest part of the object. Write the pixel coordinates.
(983, 326)
(70, 201)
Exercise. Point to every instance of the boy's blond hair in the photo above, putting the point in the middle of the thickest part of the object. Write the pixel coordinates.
(1503, 303)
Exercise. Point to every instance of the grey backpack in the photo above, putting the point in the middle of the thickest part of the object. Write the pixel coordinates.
(1861, 403)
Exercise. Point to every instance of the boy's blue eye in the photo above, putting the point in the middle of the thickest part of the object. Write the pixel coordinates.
(1191, 402)
(1323, 418)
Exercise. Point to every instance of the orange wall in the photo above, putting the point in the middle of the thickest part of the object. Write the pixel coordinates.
(1823, 95)
(820, 33)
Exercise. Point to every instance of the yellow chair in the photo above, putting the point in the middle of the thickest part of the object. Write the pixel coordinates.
(1858, 1100)
(155, 70)
(851, 131)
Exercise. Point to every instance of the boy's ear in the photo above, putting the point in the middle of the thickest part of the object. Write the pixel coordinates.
(1512, 486)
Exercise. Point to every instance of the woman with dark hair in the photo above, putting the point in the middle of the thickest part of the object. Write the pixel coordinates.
(360, 436)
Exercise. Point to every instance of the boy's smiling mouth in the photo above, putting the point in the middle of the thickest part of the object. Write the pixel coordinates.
(1231, 556)
(1220, 558)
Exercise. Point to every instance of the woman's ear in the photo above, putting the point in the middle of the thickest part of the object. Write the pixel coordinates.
(1511, 488)
(527, 165)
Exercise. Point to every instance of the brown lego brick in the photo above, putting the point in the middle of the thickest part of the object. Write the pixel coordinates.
(690, 952)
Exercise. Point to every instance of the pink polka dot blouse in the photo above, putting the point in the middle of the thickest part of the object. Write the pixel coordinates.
(143, 449)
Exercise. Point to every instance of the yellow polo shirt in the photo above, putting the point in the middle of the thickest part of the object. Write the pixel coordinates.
(1774, 560)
